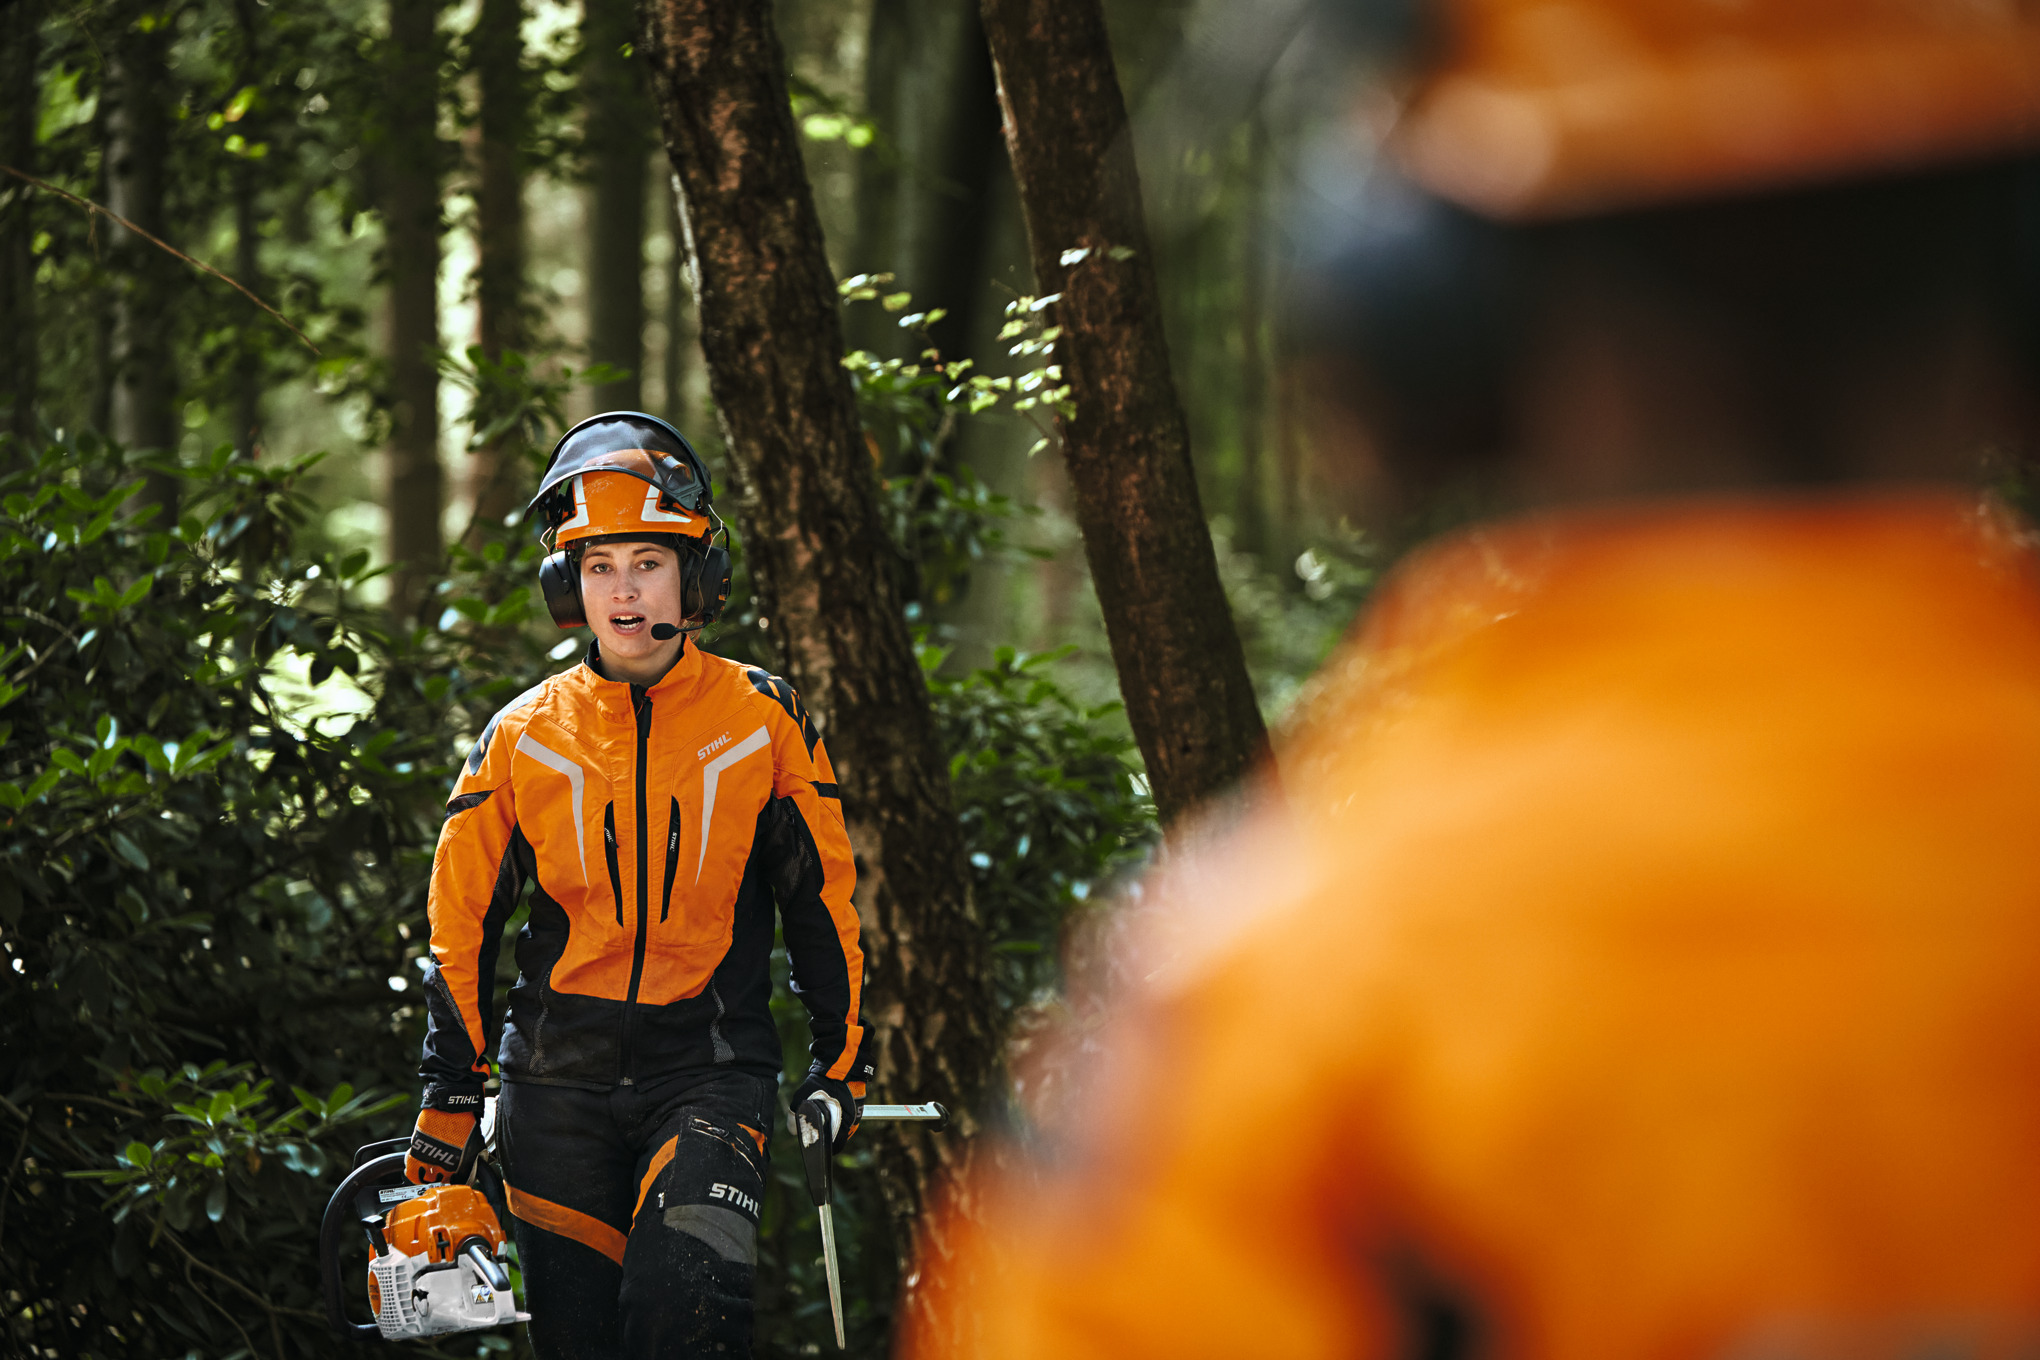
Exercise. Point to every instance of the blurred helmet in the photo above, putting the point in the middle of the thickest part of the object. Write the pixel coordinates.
(1544, 108)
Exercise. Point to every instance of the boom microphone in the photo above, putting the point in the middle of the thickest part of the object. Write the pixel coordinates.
(662, 632)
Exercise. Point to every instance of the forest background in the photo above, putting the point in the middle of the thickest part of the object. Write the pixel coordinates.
(265, 580)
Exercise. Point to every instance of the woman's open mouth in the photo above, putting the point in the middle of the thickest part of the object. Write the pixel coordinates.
(627, 625)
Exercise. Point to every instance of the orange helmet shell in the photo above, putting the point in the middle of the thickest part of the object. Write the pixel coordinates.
(1549, 108)
(624, 502)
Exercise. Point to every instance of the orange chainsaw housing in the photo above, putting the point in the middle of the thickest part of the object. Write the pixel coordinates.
(436, 1224)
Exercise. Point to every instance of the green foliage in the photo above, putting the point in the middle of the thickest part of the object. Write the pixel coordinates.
(193, 869)
(942, 517)
(1289, 620)
(1049, 800)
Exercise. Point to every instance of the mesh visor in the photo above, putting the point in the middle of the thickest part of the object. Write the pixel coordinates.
(633, 445)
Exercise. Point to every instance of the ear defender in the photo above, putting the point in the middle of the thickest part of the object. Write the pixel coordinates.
(560, 581)
(705, 589)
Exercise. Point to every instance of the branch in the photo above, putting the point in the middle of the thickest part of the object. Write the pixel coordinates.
(95, 1100)
(223, 1311)
(274, 1310)
(21, 679)
(161, 244)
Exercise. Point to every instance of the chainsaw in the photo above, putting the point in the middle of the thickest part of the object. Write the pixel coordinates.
(435, 1251)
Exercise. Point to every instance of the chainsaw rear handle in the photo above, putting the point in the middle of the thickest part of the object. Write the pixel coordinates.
(340, 1219)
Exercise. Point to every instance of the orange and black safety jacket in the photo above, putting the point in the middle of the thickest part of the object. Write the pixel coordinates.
(657, 826)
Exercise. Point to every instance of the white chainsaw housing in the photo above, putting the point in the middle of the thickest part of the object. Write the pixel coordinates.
(420, 1298)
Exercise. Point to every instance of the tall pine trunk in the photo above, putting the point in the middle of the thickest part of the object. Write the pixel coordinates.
(137, 156)
(410, 172)
(767, 312)
(20, 50)
(1182, 672)
(497, 44)
(619, 141)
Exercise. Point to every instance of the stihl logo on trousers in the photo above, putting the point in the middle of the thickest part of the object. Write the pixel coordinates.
(734, 1196)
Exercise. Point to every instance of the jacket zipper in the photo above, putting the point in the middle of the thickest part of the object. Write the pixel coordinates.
(627, 1069)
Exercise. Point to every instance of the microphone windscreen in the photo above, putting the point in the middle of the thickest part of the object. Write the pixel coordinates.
(663, 632)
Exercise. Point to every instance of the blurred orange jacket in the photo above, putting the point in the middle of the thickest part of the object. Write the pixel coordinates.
(1646, 963)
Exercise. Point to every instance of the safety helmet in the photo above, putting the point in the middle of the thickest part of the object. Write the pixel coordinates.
(625, 474)
(1549, 108)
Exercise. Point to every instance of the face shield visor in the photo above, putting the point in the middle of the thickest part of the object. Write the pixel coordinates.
(654, 483)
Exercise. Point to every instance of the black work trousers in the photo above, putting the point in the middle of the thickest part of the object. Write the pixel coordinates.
(636, 1214)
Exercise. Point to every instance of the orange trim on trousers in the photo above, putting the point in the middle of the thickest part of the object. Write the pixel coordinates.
(570, 1223)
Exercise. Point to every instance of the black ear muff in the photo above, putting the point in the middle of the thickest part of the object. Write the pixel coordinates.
(715, 582)
(705, 585)
(560, 581)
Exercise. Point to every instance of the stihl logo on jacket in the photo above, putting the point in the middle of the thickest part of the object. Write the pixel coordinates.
(657, 828)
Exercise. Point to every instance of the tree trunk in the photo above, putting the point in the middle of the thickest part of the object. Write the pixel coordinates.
(497, 42)
(1181, 669)
(1254, 534)
(922, 210)
(766, 308)
(248, 340)
(410, 178)
(21, 25)
(619, 143)
(137, 159)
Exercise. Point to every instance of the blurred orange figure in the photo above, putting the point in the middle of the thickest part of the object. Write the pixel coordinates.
(1643, 958)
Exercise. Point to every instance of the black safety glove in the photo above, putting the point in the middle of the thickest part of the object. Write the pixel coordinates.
(847, 1095)
(444, 1146)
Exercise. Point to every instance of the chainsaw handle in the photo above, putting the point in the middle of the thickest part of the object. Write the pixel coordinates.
(339, 1220)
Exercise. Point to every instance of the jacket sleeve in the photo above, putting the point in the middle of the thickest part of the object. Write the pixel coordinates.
(476, 882)
(813, 875)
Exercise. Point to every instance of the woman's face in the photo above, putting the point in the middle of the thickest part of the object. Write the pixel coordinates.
(626, 588)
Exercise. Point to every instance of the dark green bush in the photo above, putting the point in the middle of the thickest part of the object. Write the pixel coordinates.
(212, 898)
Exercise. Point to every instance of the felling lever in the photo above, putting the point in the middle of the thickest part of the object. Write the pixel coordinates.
(811, 1126)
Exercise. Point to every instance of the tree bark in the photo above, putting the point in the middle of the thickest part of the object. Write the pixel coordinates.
(679, 336)
(1254, 533)
(497, 44)
(923, 202)
(248, 342)
(767, 312)
(619, 142)
(1181, 669)
(410, 178)
(137, 157)
(21, 25)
